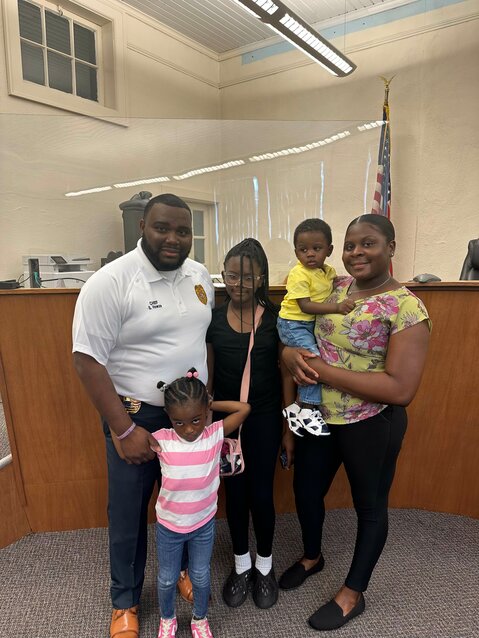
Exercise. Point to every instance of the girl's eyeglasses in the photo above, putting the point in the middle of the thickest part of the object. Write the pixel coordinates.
(247, 281)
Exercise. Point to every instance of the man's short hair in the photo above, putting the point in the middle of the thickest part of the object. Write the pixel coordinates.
(168, 199)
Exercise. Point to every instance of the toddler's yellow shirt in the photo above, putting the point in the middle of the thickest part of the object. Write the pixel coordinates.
(315, 283)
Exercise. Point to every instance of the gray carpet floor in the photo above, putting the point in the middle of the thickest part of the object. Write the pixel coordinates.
(426, 584)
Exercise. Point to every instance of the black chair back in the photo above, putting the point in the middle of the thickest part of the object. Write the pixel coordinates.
(470, 268)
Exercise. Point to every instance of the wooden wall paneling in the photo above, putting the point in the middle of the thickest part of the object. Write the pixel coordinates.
(74, 504)
(13, 521)
(11, 436)
(60, 446)
(437, 468)
(58, 432)
(45, 390)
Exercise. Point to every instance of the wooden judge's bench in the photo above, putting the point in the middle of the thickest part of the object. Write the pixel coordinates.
(57, 480)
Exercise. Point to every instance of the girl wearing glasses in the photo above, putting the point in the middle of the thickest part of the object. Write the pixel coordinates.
(246, 279)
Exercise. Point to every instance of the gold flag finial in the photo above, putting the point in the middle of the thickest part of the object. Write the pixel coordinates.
(386, 87)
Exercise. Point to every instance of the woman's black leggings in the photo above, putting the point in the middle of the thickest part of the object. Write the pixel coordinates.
(369, 450)
(252, 491)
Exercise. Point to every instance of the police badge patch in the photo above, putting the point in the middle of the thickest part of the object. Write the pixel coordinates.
(131, 405)
(201, 294)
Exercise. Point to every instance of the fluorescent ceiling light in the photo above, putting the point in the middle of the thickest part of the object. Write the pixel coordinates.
(209, 169)
(294, 150)
(299, 149)
(267, 5)
(139, 182)
(100, 189)
(370, 125)
(257, 7)
(290, 26)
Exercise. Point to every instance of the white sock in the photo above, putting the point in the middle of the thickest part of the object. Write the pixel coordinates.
(264, 564)
(242, 563)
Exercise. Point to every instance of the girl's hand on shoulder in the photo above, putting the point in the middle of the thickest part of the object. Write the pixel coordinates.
(295, 360)
(237, 413)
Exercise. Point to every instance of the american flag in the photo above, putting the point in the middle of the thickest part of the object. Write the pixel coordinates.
(382, 193)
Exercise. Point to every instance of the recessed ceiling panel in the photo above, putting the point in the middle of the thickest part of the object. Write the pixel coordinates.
(222, 25)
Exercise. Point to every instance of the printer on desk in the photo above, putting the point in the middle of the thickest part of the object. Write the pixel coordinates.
(55, 271)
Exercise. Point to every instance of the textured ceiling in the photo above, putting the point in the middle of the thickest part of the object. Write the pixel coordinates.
(222, 25)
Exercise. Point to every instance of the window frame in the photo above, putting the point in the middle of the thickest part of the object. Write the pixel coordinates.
(110, 60)
(207, 207)
(204, 213)
(72, 20)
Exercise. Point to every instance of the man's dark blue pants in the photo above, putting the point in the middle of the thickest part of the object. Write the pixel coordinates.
(129, 491)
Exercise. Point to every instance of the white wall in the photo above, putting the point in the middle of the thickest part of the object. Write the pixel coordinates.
(435, 136)
(186, 109)
(46, 152)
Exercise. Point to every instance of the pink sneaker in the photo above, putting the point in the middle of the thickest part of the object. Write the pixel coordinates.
(168, 627)
(200, 628)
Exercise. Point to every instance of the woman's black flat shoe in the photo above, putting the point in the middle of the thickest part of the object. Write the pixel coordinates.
(330, 616)
(295, 575)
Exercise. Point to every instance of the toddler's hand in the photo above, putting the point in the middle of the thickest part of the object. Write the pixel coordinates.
(345, 306)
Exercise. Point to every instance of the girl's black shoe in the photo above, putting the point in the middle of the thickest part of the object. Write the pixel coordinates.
(265, 589)
(236, 587)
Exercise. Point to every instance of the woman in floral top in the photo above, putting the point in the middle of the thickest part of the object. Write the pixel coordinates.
(370, 367)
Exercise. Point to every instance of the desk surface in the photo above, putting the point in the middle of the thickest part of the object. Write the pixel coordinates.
(275, 290)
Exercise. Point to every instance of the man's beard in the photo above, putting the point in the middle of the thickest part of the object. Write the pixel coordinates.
(157, 263)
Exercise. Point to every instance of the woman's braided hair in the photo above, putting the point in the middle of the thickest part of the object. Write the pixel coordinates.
(253, 251)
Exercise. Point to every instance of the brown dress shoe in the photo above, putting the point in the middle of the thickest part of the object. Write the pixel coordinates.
(185, 587)
(124, 623)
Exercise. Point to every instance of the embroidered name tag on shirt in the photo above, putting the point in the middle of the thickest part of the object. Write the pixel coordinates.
(153, 305)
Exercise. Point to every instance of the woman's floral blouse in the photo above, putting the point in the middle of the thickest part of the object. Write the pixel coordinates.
(359, 341)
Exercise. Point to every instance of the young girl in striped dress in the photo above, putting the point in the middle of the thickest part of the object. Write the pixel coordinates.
(189, 455)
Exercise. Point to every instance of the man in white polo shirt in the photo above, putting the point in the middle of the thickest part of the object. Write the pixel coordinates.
(139, 319)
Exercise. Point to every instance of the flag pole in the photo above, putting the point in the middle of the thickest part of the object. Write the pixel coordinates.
(382, 194)
(386, 88)
(387, 84)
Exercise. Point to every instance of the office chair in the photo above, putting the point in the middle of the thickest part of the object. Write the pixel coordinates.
(112, 255)
(470, 268)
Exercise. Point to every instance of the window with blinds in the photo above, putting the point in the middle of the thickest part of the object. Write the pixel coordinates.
(199, 238)
(59, 51)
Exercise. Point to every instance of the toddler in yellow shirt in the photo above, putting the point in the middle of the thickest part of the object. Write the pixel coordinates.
(309, 284)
